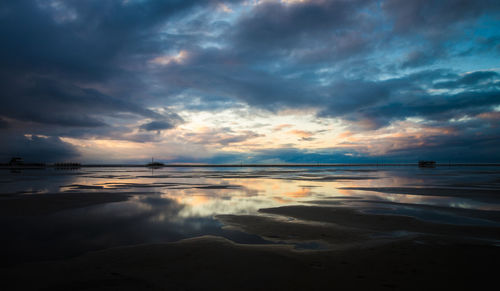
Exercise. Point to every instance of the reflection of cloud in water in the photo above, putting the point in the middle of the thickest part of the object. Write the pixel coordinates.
(304, 192)
(178, 203)
(252, 195)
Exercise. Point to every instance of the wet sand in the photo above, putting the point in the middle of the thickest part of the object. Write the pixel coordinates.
(472, 192)
(376, 223)
(209, 263)
(338, 242)
(488, 215)
(44, 204)
(357, 251)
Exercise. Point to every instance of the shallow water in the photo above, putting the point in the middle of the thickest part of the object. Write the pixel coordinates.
(170, 204)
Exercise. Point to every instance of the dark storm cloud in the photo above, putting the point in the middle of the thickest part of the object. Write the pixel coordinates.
(467, 147)
(47, 101)
(35, 148)
(435, 17)
(79, 39)
(157, 125)
(257, 88)
(419, 58)
(277, 25)
(433, 25)
(169, 121)
(439, 107)
(471, 79)
(396, 99)
(55, 52)
(3, 124)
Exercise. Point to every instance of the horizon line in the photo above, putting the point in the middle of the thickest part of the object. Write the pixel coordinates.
(179, 165)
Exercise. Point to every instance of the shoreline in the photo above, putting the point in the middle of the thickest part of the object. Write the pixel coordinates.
(309, 165)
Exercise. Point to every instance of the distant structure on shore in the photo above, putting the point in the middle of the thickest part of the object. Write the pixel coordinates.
(427, 164)
(16, 161)
(19, 163)
(154, 164)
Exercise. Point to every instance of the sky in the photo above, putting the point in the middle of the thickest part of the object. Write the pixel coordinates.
(250, 81)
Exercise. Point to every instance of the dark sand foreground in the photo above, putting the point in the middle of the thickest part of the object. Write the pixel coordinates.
(212, 263)
(360, 251)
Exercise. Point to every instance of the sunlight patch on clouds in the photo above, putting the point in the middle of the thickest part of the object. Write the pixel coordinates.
(224, 8)
(204, 134)
(178, 58)
(465, 118)
(104, 150)
(248, 130)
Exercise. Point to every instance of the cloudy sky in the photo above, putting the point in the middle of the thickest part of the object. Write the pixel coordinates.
(250, 81)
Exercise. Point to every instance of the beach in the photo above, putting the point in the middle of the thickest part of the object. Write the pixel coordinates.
(263, 228)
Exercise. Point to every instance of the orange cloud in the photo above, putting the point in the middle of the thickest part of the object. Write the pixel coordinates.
(345, 134)
(490, 115)
(301, 133)
(281, 127)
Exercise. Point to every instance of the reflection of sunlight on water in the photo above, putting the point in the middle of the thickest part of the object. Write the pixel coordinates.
(252, 195)
(206, 192)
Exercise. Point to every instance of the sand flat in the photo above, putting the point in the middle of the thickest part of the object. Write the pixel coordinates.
(209, 263)
(349, 217)
(43, 204)
(434, 191)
